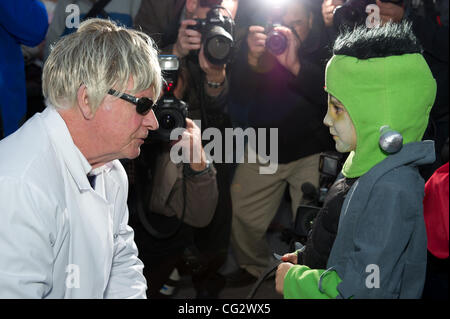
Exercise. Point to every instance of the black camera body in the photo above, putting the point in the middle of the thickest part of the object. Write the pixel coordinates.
(218, 35)
(353, 12)
(276, 42)
(170, 112)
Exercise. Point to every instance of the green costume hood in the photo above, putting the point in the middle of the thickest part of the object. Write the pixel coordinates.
(397, 91)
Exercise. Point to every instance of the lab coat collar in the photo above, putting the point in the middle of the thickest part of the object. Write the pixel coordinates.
(75, 161)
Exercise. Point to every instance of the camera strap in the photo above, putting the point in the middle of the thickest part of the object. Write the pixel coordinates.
(272, 268)
(142, 214)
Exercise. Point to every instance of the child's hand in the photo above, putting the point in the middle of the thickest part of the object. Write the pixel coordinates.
(291, 258)
(279, 277)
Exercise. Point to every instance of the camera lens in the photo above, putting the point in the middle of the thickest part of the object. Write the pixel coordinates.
(276, 42)
(167, 122)
(219, 47)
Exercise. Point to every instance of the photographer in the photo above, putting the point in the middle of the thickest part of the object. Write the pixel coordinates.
(203, 85)
(171, 194)
(282, 90)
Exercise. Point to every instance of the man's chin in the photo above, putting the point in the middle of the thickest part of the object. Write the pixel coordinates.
(133, 154)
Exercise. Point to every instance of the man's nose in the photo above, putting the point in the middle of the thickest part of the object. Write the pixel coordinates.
(150, 121)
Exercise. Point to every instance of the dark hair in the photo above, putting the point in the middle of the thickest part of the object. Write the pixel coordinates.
(210, 3)
(365, 43)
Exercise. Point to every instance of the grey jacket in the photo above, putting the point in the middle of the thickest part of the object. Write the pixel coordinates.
(381, 246)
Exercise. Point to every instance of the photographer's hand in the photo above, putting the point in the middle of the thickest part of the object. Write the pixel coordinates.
(191, 142)
(390, 12)
(289, 58)
(213, 74)
(328, 7)
(187, 39)
(256, 41)
(280, 275)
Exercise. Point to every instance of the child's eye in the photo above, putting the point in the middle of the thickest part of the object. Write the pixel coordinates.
(337, 109)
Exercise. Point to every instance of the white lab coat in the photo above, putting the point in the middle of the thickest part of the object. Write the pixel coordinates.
(58, 237)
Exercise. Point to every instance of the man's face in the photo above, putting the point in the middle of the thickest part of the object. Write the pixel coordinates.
(299, 19)
(341, 126)
(201, 12)
(120, 129)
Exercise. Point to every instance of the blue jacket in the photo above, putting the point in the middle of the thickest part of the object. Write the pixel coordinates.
(21, 22)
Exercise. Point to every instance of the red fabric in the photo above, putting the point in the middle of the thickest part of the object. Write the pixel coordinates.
(435, 209)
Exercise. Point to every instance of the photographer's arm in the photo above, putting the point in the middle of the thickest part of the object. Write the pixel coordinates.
(201, 195)
(246, 73)
(310, 82)
(309, 75)
(215, 76)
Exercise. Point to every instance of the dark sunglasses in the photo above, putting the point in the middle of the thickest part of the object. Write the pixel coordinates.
(143, 104)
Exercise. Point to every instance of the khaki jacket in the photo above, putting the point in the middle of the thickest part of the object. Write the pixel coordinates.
(167, 192)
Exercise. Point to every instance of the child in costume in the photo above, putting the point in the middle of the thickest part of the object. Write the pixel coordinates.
(381, 92)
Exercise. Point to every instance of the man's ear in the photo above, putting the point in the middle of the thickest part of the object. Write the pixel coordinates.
(83, 103)
(191, 6)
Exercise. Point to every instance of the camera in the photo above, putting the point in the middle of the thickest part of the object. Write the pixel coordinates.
(170, 112)
(353, 12)
(276, 42)
(217, 33)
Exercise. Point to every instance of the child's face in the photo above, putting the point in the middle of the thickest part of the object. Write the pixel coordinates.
(341, 125)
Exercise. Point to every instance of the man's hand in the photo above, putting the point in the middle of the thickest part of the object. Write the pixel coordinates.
(187, 39)
(289, 58)
(390, 12)
(191, 142)
(256, 41)
(279, 277)
(328, 7)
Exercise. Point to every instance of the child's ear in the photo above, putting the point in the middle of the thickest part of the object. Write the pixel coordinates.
(83, 103)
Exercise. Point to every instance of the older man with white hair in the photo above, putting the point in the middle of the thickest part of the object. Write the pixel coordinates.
(63, 193)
